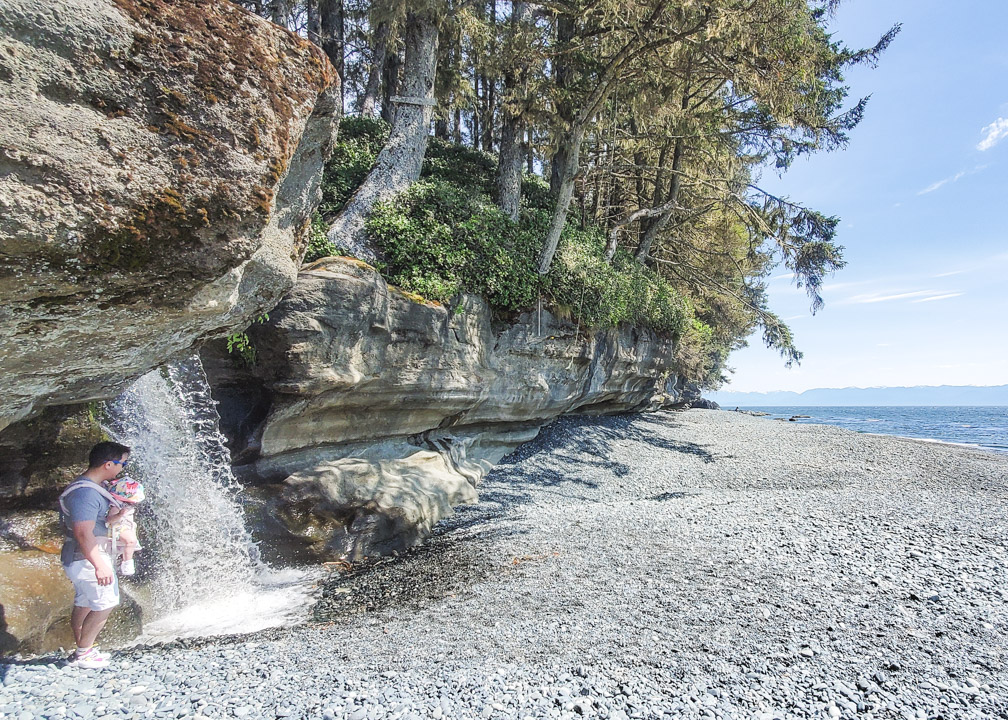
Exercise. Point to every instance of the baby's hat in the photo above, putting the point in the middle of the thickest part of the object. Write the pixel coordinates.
(127, 490)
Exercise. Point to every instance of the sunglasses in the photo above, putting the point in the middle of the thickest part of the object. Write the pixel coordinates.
(120, 463)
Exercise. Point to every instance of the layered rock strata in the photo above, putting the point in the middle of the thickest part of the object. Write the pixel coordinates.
(378, 411)
(159, 161)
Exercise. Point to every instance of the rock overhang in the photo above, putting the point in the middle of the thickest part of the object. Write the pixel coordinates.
(161, 161)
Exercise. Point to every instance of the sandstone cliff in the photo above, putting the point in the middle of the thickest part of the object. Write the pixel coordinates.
(378, 411)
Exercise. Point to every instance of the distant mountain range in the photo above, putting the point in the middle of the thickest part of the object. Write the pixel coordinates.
(920, 395)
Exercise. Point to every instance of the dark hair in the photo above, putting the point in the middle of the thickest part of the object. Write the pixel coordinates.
(105, 451)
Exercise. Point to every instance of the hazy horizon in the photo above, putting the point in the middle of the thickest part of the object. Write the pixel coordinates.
(864, 387)
(878, 396)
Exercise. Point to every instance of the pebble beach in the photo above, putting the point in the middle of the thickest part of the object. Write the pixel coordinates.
(696, 564)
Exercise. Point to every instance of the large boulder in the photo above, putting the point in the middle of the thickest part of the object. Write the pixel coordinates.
(354, 376)
(35, 595)
(383, 504)
(159, 161)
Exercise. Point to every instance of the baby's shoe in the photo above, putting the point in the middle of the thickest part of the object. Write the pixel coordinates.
(128, 568)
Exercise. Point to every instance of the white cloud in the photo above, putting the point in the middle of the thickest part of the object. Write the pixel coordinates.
(832, 287)
(914, 296)
(947, 274)
(875, 297)
(993, 134)
(951, 179)
(934, 186)
(946, 296)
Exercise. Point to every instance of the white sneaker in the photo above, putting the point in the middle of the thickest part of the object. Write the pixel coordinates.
(91, 659)
(128, 568)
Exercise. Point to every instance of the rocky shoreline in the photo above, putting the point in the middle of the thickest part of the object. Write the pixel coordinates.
(690, 564)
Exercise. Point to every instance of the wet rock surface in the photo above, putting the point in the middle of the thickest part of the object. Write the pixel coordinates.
(695, 564)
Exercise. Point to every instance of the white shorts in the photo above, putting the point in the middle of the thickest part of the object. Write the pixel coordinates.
(87, 592)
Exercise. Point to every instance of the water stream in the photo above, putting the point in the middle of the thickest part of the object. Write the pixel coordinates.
(200, 572)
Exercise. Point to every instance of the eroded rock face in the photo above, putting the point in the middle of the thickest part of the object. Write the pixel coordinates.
(360, 374)
(159, 162)
(384, 504)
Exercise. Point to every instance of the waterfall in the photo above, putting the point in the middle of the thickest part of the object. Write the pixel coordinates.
(201, 573)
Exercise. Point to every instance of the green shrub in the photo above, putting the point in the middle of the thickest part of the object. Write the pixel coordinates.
(535, 193)
(358, 143)
(467, 168)
(445, 235)
(319, 244)
(439, 240)
(601, 294)
(239, 344)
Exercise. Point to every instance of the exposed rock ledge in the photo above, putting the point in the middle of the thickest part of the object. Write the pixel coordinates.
(378, 411)
(159, 162)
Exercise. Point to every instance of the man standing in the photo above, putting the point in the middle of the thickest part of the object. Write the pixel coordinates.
(87, 557)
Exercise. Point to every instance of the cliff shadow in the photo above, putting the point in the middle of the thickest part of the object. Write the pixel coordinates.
(570, 453)
(572, 457)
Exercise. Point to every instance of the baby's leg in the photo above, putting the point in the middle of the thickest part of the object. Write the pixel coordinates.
(127, 541)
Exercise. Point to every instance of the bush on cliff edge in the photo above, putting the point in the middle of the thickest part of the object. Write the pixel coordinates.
(445, 235)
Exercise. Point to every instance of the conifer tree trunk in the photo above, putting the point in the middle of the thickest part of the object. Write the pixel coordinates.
(563, 75)
(279, 11)
(476, 110)
(490, 85)
(314, 22)
(638, 159)
(390, 84)
(398, 164)
(456, 99)
(509, 169)
(655, 227)
(334, 37)
(488, 118)
(569, 151)
(379, 49)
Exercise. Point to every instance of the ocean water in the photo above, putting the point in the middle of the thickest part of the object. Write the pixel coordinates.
(983, 427)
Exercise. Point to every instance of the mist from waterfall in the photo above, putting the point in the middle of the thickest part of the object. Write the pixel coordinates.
(201, 573)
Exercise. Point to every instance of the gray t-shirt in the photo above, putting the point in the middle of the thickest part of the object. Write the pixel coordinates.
(83, 505)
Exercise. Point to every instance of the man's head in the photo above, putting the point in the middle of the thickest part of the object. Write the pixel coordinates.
(109, 458)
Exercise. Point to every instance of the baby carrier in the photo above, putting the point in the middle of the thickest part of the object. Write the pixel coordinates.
(113, 529)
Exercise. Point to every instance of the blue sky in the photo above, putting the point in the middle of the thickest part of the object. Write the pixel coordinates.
(922, 193)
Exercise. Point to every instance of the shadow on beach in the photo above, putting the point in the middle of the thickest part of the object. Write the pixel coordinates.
(562, 452)
(561, 459)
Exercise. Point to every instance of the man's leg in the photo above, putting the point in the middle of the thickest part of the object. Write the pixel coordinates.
(92, 625)
(77, 617)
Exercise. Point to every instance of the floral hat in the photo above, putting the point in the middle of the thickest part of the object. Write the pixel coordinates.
(127, 490)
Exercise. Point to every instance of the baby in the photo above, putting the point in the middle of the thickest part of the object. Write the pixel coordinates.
(129, 493)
